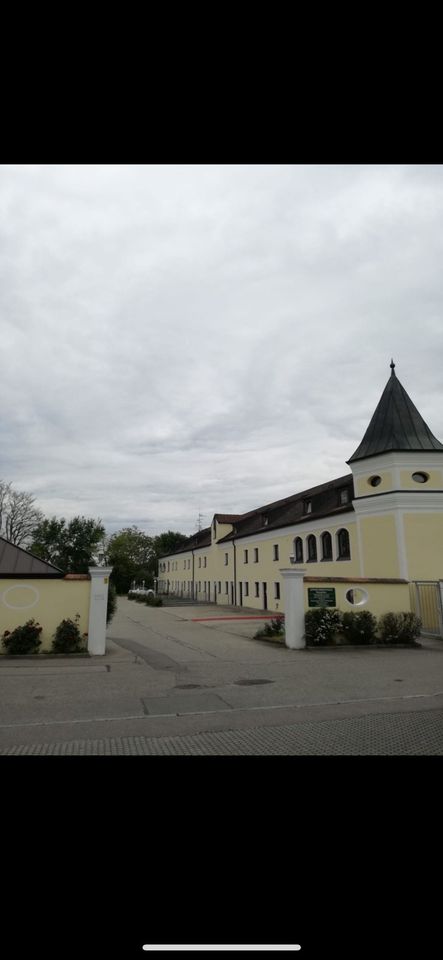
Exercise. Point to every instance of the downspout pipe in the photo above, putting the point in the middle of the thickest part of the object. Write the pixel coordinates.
(193, 581)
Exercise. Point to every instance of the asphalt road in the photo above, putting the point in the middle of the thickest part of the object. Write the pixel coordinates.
(174, 682)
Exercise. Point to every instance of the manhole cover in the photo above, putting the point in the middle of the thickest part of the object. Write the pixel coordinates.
(251, 683)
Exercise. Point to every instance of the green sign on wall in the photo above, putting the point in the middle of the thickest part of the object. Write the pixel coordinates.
(321, 597)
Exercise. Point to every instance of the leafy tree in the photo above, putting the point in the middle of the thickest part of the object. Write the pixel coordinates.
(18, 514)
(68, 545)
(168, 542)
(129, 552)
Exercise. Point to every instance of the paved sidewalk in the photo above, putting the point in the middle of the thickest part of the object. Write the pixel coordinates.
(404, 734)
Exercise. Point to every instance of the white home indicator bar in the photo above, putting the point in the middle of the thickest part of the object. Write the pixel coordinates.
(268, 947)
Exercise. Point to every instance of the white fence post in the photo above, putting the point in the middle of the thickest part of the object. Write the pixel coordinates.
(294, 608)
(97, 610)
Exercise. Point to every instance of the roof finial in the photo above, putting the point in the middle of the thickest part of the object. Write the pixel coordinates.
(392, 366)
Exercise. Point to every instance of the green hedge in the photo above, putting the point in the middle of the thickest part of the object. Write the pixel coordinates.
(326, 626)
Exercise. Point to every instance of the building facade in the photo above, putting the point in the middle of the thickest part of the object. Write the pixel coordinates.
(381, 524)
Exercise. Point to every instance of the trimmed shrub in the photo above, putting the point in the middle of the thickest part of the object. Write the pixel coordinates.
(154, 601)
(399, 627)
(322, 625)
(67, 637)
(359, 626)
(276, 628)
(112, 602)
(23, 640)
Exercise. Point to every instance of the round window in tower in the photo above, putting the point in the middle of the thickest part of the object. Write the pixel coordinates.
(374, 481)
(420, 477)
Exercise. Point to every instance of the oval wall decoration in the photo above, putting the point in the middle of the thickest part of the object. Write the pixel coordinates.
(23, 597)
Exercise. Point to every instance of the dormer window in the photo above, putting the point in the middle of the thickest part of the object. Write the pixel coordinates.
(265, 521)
(307, 506)
(343, 496)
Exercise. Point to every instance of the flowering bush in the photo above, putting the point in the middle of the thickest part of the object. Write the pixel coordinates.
(399, 627)
(359, 626)
(23, 640)
(321, 625)
(67, 637)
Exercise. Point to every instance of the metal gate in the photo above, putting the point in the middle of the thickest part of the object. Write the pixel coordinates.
(426, 601)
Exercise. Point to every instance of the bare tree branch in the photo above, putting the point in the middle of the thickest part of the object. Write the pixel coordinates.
(18, 514)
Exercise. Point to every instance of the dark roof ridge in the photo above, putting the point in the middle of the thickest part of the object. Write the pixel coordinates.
(29, 554)
(29, 564)
(327, 485)
(345, 508)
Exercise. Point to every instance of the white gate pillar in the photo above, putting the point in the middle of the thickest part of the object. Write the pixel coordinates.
(294, 607)
(97, 610)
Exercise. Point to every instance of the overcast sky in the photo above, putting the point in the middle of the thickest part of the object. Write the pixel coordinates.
(180, 340)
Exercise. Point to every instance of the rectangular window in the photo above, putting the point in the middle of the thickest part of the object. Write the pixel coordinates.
(275, 551)
(276, 591)
(226, 586)
(189, 564)
(257, 589)
(245, 556)
(307, 506)
(246, 589)
(344, 496)
(226, 562)
(204, 563)
(219, 586)
(255, 554)
(199, 561)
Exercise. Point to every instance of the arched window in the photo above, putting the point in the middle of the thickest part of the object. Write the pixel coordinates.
(344, 549)
(298, 550)
(312, 548)
(326, 546)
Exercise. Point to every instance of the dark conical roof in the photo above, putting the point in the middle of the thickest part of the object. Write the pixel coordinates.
(395, 425)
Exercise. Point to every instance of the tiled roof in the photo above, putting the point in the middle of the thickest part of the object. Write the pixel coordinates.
(227, 517)
(280, 513)
(16, 562)
(200, 539)
(290, 510)
(395, 425)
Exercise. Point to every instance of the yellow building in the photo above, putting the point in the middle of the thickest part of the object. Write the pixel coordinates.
(375, 535)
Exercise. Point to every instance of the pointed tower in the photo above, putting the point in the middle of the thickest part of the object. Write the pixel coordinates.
(398, 483)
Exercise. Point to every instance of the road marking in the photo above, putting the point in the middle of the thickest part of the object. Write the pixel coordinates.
(277, 616)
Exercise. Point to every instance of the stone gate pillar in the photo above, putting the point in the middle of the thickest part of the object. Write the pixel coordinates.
(294, 607)
(97, 610)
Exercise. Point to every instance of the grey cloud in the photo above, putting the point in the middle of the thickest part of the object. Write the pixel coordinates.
(185, 339)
